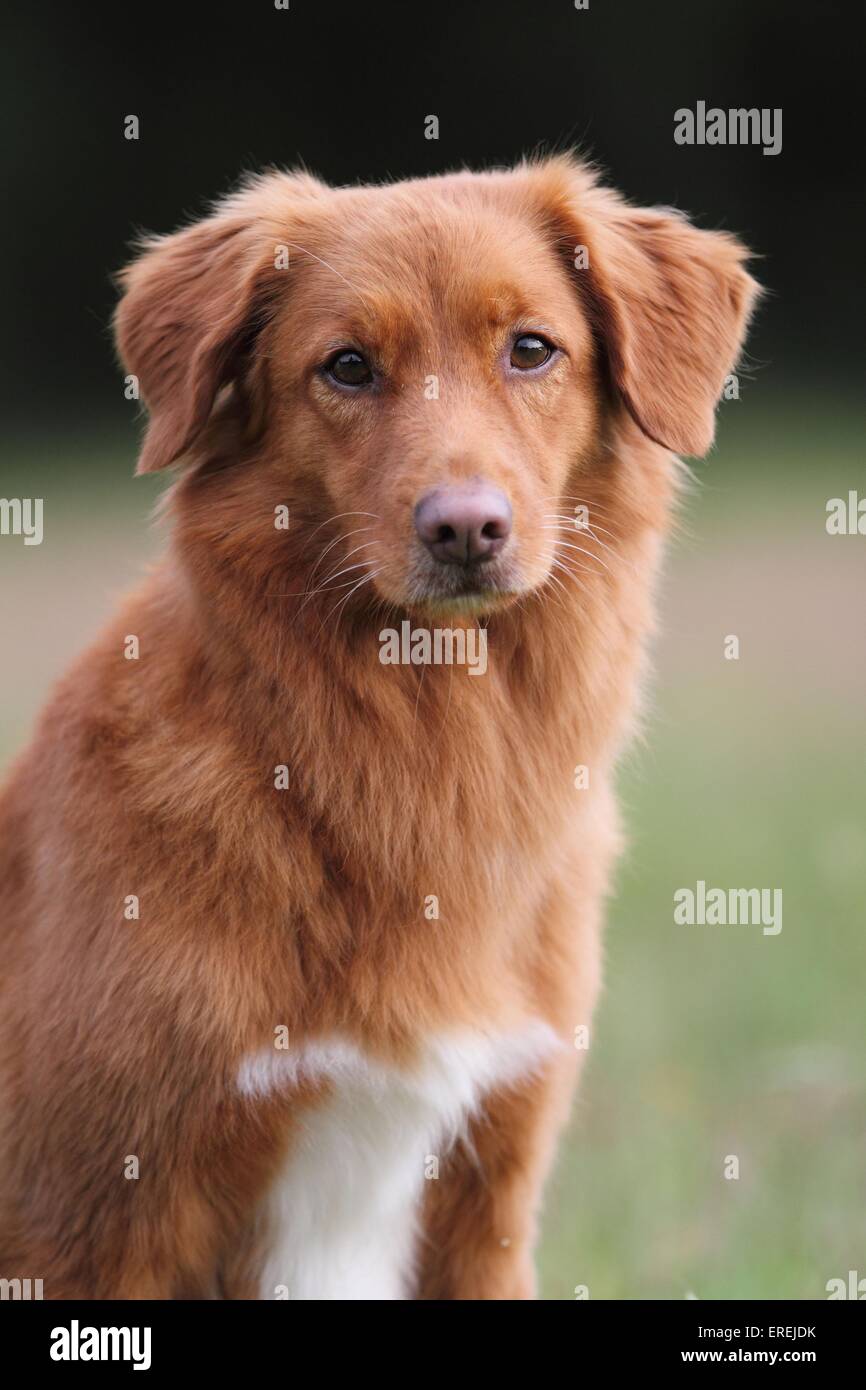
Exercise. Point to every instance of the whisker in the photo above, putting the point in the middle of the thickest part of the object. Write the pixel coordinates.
(572, 530)
(569, 545)
(365, 545)
(365, 579)
(590, 532)
(576, 525)
(573, 497)
(558, 582)
(327, 588)
(311, 593)
(578, 568)
(338, 517)
(417, 699)
(357, 532)
(558, 564)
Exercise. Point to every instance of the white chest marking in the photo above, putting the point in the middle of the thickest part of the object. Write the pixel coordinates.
(343, 1216)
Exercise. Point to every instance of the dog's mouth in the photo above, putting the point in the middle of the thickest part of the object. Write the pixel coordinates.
(464, 589)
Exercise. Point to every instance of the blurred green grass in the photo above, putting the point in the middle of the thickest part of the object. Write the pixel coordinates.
(709, 1041)
(713, 1041)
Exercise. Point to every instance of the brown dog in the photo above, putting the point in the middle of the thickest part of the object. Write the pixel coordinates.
(298, 919)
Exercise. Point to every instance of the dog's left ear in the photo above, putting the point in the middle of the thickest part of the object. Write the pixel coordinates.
(193, 302)
(669, 302)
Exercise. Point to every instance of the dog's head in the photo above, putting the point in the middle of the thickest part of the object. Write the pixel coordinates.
(428, 370)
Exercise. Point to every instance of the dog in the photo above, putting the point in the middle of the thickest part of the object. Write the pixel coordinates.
(298, 942)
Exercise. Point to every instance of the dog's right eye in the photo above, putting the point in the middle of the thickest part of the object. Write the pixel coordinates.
(349, 369)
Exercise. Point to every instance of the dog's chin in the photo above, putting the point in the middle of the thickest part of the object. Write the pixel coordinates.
(453, 595)
(474, 603)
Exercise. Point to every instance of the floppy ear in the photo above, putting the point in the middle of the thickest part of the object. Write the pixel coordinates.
(670, 303)
(192, 304)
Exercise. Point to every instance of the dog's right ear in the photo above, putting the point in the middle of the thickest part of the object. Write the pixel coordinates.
(193, 303)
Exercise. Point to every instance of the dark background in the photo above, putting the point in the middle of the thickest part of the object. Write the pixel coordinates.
(346, 87)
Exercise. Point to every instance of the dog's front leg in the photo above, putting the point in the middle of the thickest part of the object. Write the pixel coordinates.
(480, 1214)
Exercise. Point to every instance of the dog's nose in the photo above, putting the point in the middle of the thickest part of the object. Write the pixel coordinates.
(464, 525)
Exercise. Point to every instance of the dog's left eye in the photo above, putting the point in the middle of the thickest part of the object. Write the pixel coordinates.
(349, 368)
(530, 351)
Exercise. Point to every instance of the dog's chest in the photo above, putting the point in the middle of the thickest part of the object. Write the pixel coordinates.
(342, 1218)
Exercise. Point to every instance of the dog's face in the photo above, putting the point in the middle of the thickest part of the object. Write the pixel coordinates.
(433, 366)
(437, 368)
